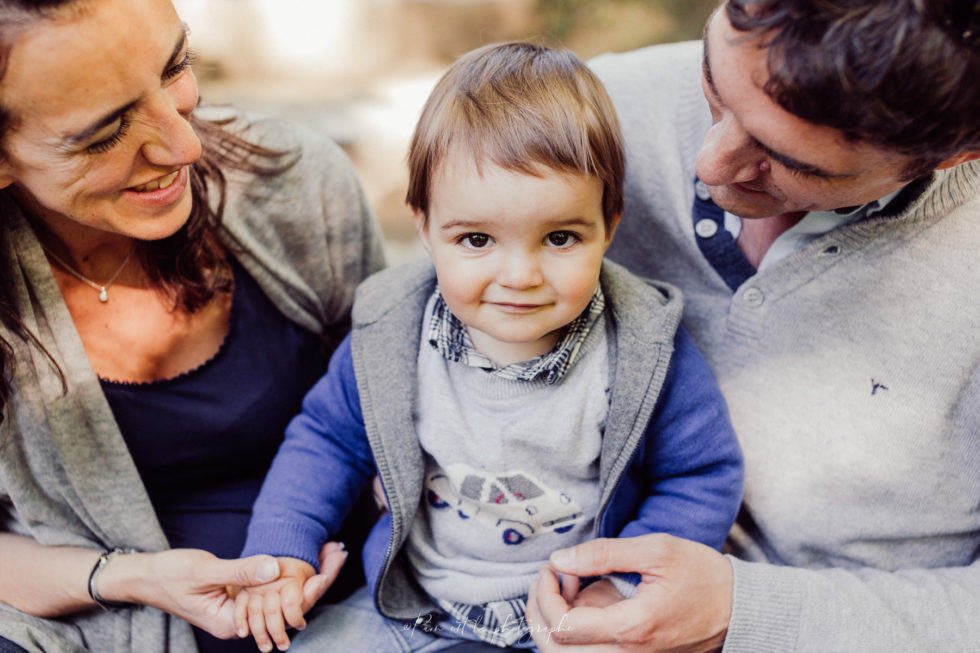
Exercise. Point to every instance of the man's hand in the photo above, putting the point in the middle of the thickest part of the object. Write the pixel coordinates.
(683, 601)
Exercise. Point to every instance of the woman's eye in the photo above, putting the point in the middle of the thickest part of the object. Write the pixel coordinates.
(174, 71)
(561, 239)
(475, 241)
(107, 144)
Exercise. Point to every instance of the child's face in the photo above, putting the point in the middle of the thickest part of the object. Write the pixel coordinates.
(517, 256)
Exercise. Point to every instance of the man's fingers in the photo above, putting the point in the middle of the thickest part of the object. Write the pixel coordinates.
(549, 606)
(604, 556)
(570, 586)
(553, 621)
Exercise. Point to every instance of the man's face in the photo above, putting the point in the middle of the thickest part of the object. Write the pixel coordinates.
(759, 160)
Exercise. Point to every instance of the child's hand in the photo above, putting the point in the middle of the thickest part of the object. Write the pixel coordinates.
(265, 610)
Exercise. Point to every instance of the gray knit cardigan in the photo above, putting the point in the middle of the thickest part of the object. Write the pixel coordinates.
(307, 236)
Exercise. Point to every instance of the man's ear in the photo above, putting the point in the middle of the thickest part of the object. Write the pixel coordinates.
(6, 174)
(422, 226)
(962, 157)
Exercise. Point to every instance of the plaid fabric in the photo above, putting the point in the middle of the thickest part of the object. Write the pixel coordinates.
(500, 623)
(447, 334)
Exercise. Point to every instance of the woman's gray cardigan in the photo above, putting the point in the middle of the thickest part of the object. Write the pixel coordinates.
(66, 477)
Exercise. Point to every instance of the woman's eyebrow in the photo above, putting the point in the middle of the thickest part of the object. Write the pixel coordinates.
(181, 42)
(86, 134)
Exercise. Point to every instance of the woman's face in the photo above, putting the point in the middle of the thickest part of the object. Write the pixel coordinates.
(99, 98)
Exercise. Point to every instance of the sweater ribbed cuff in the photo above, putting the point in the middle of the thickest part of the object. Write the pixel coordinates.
(766, 609)
(293, 540)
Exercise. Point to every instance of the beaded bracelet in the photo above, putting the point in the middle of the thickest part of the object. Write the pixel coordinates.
(103, 560)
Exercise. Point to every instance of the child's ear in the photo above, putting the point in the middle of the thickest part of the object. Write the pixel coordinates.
(422, 226)
(611, 229)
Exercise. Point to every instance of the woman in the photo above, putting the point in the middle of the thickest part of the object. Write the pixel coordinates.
(169, 288)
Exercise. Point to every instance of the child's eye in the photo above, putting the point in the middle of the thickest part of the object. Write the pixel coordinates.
(174, 71)
(108, 143)
(475, 241)
(561, 239)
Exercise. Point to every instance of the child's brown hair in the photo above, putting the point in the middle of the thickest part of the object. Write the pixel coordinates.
(520, 106)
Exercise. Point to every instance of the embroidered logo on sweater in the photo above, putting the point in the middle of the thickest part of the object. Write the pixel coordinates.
(514, 503)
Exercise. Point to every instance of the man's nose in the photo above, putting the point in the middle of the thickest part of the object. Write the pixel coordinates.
(728, 155)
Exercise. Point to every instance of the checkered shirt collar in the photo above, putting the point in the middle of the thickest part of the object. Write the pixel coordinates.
(448, 336)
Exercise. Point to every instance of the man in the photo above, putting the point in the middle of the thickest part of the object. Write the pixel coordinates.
(815, 192)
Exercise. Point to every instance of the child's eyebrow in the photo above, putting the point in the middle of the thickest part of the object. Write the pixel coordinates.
(577, 221)
(462, 223)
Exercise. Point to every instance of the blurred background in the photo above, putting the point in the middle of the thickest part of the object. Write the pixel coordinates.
(360, 70)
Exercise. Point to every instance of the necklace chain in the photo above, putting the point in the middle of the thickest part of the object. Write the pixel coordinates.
(103, 288)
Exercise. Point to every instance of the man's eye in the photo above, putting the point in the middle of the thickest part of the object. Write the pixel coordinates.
(475, 241)
(561, 239)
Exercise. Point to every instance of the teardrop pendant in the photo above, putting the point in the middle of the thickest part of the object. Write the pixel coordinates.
(103, 295)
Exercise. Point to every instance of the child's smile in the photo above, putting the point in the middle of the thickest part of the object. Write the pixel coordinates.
(517, 255)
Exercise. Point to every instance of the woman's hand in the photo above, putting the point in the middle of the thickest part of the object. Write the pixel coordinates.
(683, 601)
(194, 585)
(187, 583)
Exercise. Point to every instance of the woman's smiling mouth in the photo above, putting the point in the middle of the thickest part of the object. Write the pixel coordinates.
(157, 184)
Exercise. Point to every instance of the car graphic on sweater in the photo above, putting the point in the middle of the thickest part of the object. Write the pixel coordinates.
(515, 503)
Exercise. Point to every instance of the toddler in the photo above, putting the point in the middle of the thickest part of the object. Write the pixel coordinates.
(514, 393)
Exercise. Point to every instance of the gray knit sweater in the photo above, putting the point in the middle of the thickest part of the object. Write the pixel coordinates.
(66, 476)
(852, 371)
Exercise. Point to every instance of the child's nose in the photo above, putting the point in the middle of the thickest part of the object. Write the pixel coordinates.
(520, 271)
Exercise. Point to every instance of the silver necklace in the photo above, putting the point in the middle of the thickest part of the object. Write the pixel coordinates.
(103, 288)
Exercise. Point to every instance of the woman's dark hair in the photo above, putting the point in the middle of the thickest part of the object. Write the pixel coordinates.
(898, 74)
(191, 265)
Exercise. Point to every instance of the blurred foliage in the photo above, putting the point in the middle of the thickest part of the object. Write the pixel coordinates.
(651, 21)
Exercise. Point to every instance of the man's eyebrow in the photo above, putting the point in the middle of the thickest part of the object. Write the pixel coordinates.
(706, 65)
(88, 132)
(797, 165)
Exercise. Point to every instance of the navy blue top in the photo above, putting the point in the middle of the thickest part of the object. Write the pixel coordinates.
(203, 441)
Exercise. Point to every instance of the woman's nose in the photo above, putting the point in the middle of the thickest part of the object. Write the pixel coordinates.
(728, 155)
(173, 141)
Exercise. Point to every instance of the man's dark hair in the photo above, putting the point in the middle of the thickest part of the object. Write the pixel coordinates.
(903, 75)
